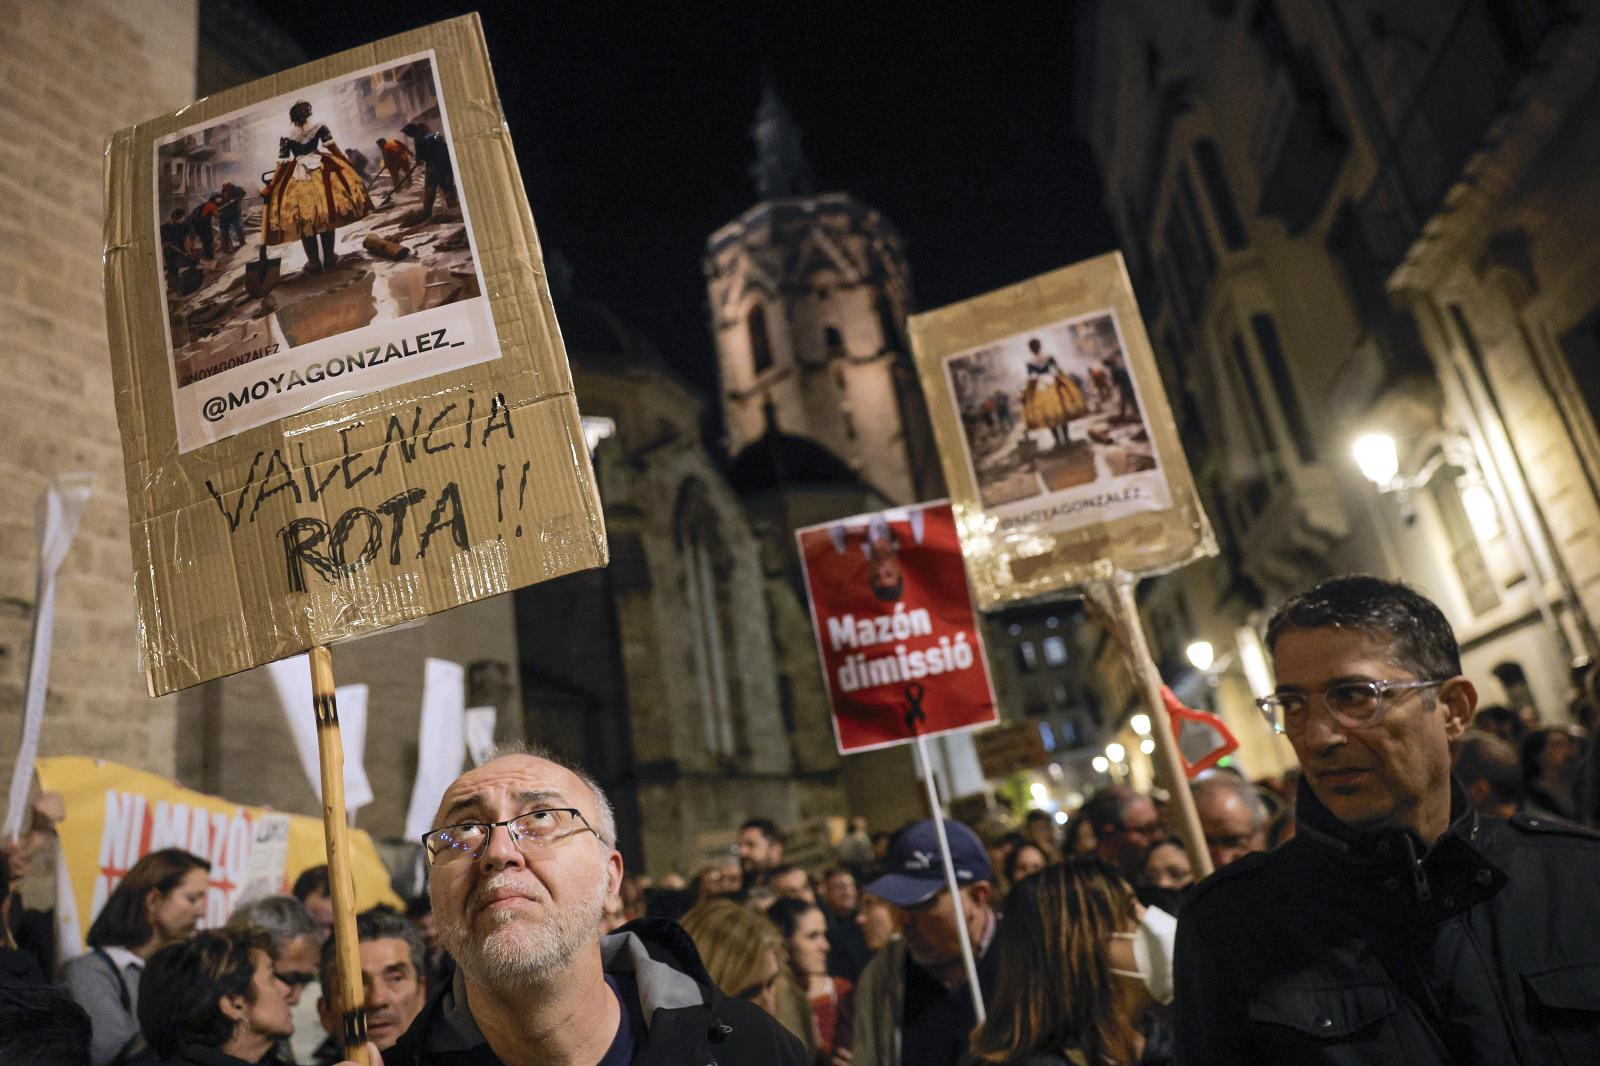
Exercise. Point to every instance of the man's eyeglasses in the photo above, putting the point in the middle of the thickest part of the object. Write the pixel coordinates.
(1149, 832)
(1356, 704)
(295, 980)
(536, 829)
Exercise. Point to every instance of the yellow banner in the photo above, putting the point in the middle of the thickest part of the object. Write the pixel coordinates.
(116, 814)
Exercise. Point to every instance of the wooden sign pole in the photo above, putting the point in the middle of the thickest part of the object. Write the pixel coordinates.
(1116, 600)
(341, 879)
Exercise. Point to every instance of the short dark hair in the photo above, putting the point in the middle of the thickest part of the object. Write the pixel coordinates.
(767, 826)
(183, 982)
(301, 108)
(122, 923)
(375, 925)
(783, 869)
(419, 906)
(1109, 806)
(786, 912)
(1420, 638)
(313, 882)
(42, 1026)
(415, 129)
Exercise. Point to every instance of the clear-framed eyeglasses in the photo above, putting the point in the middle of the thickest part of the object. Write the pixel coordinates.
(529, 832)
(1357, 704)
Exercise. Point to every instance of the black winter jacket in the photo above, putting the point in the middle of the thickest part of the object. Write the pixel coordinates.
(1366, 947)
(687, 1021)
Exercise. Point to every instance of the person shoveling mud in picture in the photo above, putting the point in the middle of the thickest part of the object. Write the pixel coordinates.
(434, 155)
(313, 192)
(1050, 399)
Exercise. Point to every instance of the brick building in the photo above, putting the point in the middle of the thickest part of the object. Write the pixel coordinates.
(73, 73)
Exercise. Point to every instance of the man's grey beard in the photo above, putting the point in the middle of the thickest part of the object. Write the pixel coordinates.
(517, 953)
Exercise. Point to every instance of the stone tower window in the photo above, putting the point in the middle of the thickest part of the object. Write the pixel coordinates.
(760, 346)
(832, 341)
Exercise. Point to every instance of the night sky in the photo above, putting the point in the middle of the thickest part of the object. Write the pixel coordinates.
(631, 123)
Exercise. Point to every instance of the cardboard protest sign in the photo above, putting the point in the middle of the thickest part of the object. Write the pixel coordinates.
(343, 394)
(116, 815)
(1009, 749)
(1058, 445)
(895, 628)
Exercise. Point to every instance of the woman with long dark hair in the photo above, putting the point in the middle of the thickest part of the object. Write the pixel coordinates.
(215, 1000)
(804, 929)
(159, 901)
(313, 191)
(1071, 990)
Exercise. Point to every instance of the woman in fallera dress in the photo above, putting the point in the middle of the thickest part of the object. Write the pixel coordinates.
(1050, 399)
(313, 192)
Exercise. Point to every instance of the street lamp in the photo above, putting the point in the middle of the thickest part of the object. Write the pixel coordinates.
(1378, 458)
(1147, 745)
(1140, 724)
(1116, 752)
(1202, 655)
(1100, 763)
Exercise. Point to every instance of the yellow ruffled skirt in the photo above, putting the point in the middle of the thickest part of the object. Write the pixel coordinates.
(1045, 405)
(305, 201)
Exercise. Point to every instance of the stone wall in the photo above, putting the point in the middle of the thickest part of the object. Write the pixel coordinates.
(72, 74)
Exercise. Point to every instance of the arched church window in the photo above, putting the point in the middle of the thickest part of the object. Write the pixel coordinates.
(760, 346)
(706, 567)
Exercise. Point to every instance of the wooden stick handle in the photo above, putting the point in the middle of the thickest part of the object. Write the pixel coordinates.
(351, 998)
(1119, 603)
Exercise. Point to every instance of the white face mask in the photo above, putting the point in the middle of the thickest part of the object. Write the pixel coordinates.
(1152, 952)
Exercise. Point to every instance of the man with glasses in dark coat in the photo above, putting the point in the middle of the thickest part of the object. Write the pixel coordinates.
(1399, 925)
(524, 858)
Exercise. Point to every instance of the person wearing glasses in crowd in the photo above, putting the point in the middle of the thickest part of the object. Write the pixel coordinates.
(523, 857)
(297, 946)
(1125, 825)
(1399, 925)
(1232, 814)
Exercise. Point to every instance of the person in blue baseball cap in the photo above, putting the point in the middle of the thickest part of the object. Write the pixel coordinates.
(912, 1003)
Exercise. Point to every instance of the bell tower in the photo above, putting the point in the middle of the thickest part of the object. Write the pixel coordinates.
(809, 294)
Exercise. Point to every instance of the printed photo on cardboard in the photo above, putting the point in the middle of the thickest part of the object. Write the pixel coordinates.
(1051, 424)
(316, 247)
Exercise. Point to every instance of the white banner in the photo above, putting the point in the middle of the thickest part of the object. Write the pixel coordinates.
(59, 509)
(292, 679)
(441, 741)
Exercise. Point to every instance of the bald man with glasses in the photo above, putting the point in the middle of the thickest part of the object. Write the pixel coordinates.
(1399, 925)
(523, 860)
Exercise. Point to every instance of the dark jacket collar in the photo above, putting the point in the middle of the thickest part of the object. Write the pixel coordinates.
(1451, 874)
(201, 1055)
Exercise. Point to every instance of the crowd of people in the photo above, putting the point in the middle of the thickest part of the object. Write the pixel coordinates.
(1419, 891)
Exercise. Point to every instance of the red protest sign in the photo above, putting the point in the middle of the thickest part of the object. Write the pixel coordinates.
(895, 628)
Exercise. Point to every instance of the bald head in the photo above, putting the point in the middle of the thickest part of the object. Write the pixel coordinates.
(549, 782)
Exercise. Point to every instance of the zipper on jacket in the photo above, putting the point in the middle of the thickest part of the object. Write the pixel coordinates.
(1419, 877)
